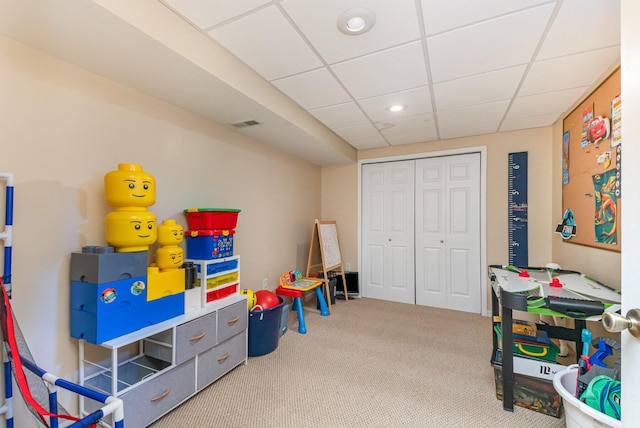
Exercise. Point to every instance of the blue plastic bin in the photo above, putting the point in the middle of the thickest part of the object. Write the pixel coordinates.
(264, 330)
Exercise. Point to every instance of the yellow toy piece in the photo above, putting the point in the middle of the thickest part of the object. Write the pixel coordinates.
(251, 297)
(129, 186)
(129, 231)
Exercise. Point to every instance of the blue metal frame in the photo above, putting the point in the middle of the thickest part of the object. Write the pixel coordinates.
(112, 405)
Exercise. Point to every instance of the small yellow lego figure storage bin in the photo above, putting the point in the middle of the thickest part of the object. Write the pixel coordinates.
(169, 255)
(163, 284)
(170, 233)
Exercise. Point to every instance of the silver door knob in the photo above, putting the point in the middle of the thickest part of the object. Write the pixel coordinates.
(441, 241)
(615, 323)
(389, 239)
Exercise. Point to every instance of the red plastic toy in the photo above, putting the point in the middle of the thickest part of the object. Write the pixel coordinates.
(266, 299)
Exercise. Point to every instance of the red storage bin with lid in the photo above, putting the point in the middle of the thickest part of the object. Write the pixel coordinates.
(212, 218)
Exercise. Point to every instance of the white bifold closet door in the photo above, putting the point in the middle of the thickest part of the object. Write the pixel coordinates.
(388, 231)
(420, 224)
(447, 235)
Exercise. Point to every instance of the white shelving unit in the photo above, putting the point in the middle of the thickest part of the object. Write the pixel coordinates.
(158, 367)
(217, 277)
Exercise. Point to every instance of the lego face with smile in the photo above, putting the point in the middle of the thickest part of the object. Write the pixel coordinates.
(170, 233)
(129, 186)
(129, 231)
(169, 257)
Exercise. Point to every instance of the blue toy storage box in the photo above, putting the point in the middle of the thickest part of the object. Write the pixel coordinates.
(100, 327)
(209, 244)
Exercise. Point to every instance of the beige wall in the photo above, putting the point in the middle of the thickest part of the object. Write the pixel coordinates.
(340, 203)
(64, 128)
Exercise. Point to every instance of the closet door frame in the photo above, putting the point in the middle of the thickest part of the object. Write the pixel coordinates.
(483, 207)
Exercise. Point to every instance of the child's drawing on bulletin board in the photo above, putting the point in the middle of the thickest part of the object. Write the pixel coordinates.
(565, 157)
(605, 221)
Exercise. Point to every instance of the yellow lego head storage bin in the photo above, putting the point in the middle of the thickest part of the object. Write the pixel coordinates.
(129, 186)
(170, 233)
(129, 231)
(169, 257)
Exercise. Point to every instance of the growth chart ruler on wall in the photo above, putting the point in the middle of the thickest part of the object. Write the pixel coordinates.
(518, 210)
(327, 239)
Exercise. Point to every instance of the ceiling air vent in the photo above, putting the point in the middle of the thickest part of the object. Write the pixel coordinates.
(245, 123)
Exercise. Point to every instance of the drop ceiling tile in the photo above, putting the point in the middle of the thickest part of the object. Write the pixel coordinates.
(418, 101)
(385, 72)
(528, 122)
(441, 15)
(206, 13)
(478, 89)
(268, 43)
(409, 130)
(362, 136)
(340, 116)
(474, 120)
(491, 45)
(548, 103)
(571, 71)
(422, 137)
(599, 19)
(314, 89)
(395, 24)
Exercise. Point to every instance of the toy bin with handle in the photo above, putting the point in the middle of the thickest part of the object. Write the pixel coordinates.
(577, 413)
(264, 330)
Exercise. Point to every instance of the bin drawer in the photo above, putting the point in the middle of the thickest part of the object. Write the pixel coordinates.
(232, 320)
(152, 399)
(217, 361)
(195, 337)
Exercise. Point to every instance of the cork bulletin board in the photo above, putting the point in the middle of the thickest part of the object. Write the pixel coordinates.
(592, 149)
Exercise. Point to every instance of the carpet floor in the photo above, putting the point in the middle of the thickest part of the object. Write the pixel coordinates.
(372, 363)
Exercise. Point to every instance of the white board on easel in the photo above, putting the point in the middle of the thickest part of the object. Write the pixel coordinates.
(328, 236)
(327, 232)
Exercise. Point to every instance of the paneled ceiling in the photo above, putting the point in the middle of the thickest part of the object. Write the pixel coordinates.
(460, 67)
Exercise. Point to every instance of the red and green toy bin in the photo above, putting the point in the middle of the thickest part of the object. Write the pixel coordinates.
(209, 244)
(212, 218)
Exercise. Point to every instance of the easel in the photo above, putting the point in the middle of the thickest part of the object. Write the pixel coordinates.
(327, 238)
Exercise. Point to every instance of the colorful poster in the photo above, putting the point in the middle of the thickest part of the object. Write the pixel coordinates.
(587, 117)
(565, 158)
(616, 121)
(606, 201)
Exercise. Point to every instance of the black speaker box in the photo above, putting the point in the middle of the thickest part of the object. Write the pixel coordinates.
(353, 288)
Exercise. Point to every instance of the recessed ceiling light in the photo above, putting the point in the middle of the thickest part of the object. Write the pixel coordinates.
(396, 108)
(356, 21)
